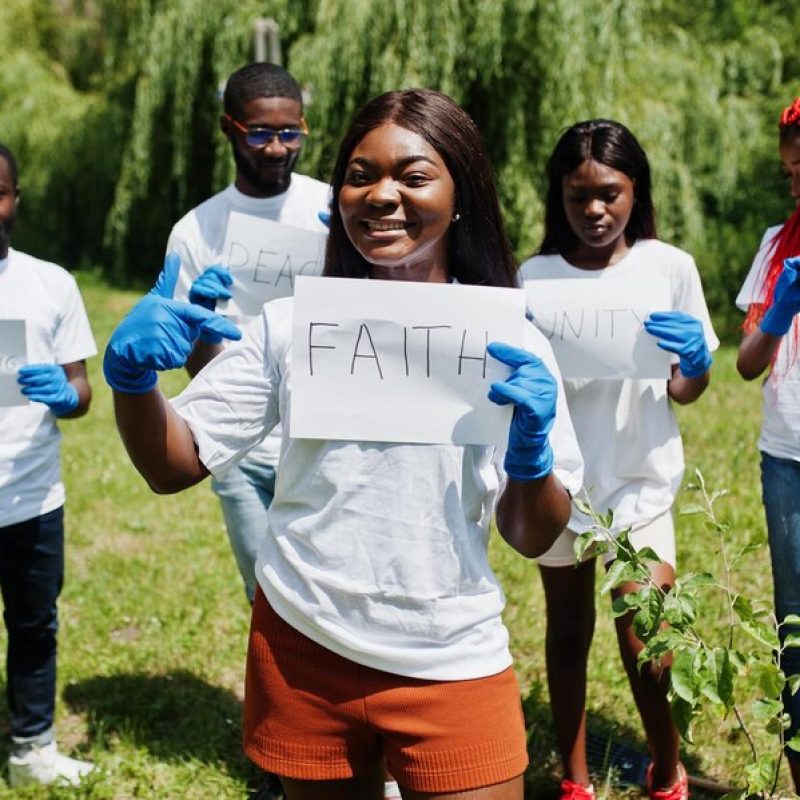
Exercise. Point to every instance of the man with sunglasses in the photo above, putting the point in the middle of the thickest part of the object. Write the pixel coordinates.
(263, 121)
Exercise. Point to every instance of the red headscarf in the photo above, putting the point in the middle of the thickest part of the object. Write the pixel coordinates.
(785, 244)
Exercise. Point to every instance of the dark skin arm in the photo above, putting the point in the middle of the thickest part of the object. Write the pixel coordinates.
(201, 354)
(756, 352)
(531, 514)
(158, 441)
(685, 390)
(76, 375)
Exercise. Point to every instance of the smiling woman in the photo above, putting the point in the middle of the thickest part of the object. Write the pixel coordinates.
(412, 168)
(376, 634)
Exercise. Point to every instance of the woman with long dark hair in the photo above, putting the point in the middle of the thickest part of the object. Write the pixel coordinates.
(600, 226)
(376, 632)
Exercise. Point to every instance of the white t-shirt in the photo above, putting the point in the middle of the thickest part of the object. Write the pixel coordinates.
(780, 429)
(199, 238)
(56, 332)
(627, 432)
(376, 551)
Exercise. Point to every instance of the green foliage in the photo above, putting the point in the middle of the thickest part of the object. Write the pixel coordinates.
(742, 680)
(135, 139)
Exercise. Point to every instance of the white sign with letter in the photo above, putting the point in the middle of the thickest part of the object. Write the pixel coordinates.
(396, 361)
(264, 258)
(13, 355)
(596, 331)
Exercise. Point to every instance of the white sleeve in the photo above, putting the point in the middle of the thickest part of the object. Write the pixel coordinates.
(752, 288)
(72, 340)
(181, 242)
(568, 461)
(689, 298)
(233, 402)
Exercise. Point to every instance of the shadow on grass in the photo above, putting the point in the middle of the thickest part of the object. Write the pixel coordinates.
(543, 776)
(176, 716)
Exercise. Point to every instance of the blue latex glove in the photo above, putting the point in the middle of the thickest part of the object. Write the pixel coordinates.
(209, 287)
(158, 334)
(785, 300)
(48, 384)
(532, 390)
(682, 334)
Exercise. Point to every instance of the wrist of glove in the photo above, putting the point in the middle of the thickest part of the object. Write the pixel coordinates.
(126, 377)
(533, 391)
(683, 335)
(785, 302)
(528, 458)
(48, 384)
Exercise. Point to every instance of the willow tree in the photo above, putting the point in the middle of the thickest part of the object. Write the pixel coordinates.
(136, 87)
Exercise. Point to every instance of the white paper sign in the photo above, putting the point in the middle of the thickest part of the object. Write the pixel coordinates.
(13, 355)
(394, 361)
(264, 258)
(596, 331)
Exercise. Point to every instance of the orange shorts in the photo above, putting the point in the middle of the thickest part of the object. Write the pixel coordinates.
(312, 715)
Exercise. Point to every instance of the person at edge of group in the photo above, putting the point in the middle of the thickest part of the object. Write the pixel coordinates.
(771, 297)
(600, 224)
(263, 121)
(376, 631)
(58, 339)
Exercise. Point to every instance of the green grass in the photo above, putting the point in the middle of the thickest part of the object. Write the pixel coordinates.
(154, 620)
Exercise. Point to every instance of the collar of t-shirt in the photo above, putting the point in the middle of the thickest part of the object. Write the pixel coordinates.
(256, 205)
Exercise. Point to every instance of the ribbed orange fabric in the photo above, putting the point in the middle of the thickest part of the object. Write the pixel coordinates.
(313, 715)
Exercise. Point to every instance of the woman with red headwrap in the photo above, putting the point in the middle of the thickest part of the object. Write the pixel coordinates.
(771, 297)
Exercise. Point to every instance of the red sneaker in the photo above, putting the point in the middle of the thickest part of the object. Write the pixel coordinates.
(576, 791)
(678, 791)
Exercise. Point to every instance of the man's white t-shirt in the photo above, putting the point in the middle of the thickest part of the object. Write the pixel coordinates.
(626, 429)
(375, 551)
(56, 332)
(780, 428)
(199, 237)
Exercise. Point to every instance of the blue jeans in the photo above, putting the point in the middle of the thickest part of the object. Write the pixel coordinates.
(31, 575)
(780, 483)
(245, 492)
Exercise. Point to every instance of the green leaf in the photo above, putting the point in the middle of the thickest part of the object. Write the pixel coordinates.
(621, 572)
(680, 609)
(647, 621)
(743, 608)
(683, 676)
(725, 675)
(695, 580)
(626, 602)
(682, 716)
(794, 683)
(794, 744)
(791, 619)
(766, 708)
(745, 550)
(692, 508)
(583, 506)
(663, 642)
(769, 677)
(761, 632)
(582, 543)
(760, 774)
(648, 554)
(792, 640)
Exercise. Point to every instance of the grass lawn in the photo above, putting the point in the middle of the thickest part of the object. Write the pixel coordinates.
(154, 619)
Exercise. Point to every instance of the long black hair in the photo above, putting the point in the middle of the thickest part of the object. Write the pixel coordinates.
(609, 143)
(477, 246)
